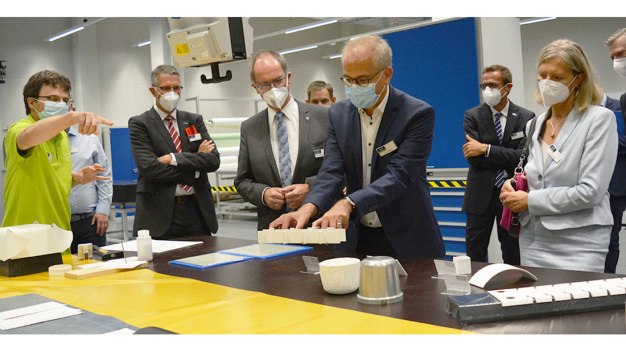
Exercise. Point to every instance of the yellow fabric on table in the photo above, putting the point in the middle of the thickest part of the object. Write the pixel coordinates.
(144, 298)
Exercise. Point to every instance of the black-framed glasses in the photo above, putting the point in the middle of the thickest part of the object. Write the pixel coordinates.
(56, 99)
(267, 86)
(166, 89)
(492, 85)
(361, 81)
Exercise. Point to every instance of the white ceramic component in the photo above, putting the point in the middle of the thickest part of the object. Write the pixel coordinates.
(340, 275)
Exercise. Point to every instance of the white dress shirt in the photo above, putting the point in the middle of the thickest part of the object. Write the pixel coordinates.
(369, 130)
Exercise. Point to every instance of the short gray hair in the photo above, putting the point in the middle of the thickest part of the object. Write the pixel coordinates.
(319, 85)
(380, 49)
(615, 36)
(162, 69)
(278, 56)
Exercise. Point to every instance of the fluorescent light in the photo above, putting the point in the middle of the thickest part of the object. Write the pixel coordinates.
(319, 24)
(143, 43)
(298, 49)
(535, 20)
(330, 57)
(74, 30)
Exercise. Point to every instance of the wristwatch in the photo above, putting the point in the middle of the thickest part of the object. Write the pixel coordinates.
(350, 202)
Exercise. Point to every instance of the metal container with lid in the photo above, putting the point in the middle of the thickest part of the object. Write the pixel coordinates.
(379, 281)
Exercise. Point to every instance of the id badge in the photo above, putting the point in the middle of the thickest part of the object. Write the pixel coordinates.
(192, 134)
(554, 153)
(319, 153)
(387, 148)
(517, 135)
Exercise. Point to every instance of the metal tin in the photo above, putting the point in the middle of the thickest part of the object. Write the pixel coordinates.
(379, 282)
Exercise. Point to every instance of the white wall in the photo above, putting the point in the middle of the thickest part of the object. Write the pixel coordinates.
(500, 44)
(590, 33)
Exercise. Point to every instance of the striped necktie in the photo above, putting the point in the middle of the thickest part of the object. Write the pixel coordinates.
(176, 140)
(500, 175)
(283, 150)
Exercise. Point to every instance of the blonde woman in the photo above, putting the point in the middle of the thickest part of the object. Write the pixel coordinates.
(565, 215)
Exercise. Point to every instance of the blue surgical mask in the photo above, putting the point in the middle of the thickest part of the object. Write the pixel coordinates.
(363, 97)
(53, 108)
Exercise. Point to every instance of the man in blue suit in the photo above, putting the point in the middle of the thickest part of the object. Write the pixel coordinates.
(380, 140)
(617, 187)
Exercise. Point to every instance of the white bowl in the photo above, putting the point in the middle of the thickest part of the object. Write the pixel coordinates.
(340, 275)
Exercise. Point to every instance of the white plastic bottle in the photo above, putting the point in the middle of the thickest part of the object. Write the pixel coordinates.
(144, 245)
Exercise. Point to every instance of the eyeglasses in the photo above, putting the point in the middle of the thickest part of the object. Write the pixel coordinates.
(492, 85)
(56, 99)
(361, 81)
(168, 88)
(267, 86)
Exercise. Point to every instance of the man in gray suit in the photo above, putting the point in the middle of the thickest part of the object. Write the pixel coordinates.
(173, 153)
(492, 159)
(281, 147)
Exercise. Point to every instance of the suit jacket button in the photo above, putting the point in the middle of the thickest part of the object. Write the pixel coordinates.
(540, 177)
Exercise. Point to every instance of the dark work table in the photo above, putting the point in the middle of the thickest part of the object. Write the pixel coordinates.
(423, 301)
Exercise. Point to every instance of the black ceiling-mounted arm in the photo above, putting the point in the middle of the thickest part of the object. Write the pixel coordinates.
(215, 70)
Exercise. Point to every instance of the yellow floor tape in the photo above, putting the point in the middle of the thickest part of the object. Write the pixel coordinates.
(144, 298)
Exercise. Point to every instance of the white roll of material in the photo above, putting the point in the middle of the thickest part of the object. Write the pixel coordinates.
(229, 151)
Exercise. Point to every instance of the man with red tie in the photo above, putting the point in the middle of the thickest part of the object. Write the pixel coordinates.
(173, 152)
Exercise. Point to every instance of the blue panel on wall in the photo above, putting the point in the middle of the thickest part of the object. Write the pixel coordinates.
(121, 157)
(447, 201)
(450, 216)
(439, 64)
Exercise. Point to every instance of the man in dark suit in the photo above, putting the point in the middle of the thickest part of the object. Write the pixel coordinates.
(380, 139)
(617, 46)
(617, 187)
(173, 153)
(262, 178)
(495, 137)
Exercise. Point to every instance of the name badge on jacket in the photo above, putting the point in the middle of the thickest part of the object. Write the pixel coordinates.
(554, 153)
(319, 153)
(517, 135)
(193, 134)
(387, 148)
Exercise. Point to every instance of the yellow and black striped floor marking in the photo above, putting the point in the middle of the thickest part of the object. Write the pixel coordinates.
(448, 184)
(224, 189)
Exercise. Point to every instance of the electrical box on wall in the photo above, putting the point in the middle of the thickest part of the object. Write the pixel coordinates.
(3, 71)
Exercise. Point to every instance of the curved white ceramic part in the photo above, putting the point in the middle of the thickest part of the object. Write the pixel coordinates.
(484, 275)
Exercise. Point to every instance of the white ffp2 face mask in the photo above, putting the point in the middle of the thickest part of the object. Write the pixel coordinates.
(619, 65)
(553, 92)
(276, 97)
(169, 101)
(492, 96)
